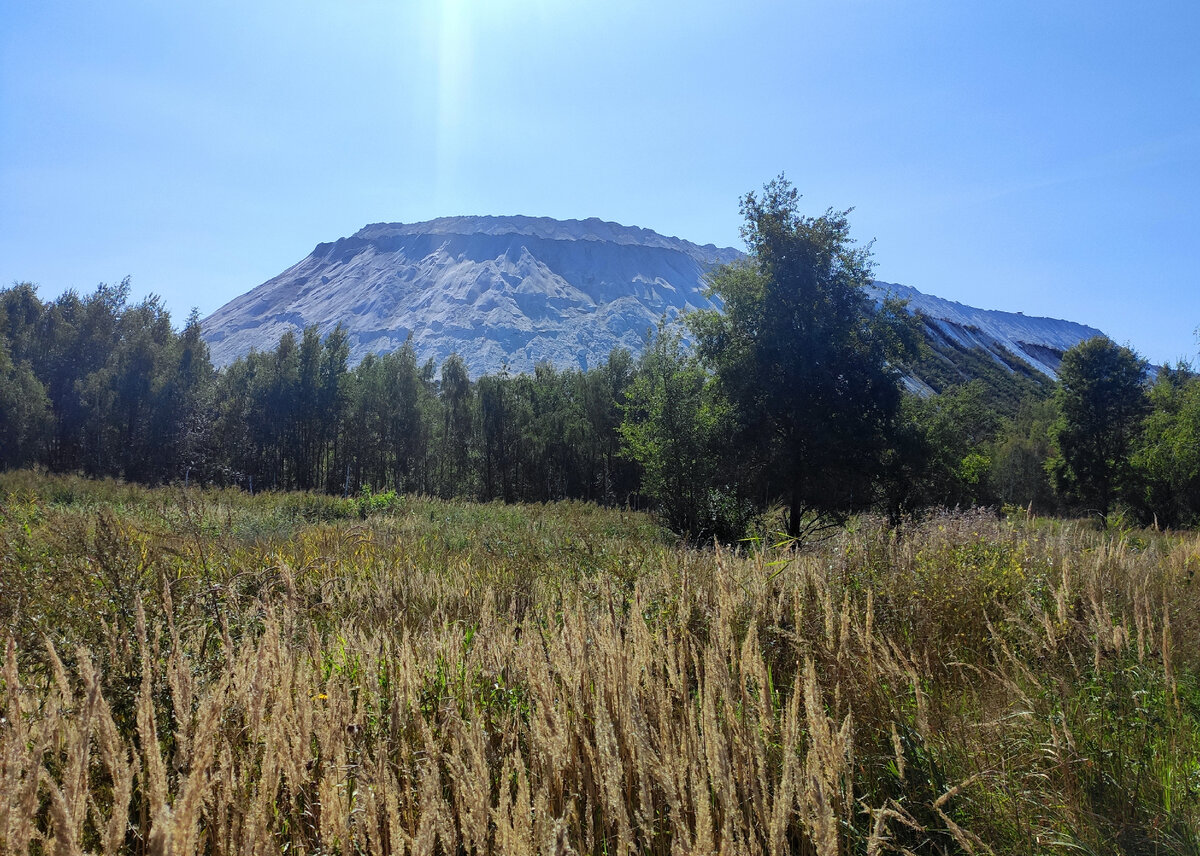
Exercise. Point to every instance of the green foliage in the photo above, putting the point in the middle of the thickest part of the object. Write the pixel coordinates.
(386, 435)
(1136, 753)
(956, 430)
(1019, 456)
(369, 502)
(455, 436)
(805, 359)
(1101, 400)
(1167, 457)
(126, 394)
(675, 426)
(789, 402)
(25, 415)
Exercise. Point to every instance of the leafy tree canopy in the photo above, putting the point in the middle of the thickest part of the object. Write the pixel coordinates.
(1168, 454)
(1101, 399)
(806, 359)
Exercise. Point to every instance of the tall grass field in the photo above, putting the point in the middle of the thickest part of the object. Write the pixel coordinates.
(206, 672)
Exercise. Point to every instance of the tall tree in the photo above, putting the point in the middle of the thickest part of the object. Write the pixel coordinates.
(83, 394)
(1020, 454)
(1101, 400)
(674, 428)
(307, 426)
(496, 424)
(407, 387)
(25, 416)
(1167, 457)
(806, 358)
(275, 414)
(610, 477)
(456, 427)
(332, 399)
(189, 415)
(367, 440)
(139, 364)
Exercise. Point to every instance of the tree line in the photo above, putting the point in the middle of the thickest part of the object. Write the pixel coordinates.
(101, 386)
(788, 400)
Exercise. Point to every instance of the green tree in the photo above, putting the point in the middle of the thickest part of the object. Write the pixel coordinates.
(86, 333)
(956, 429)
(333, 396)
(407, 430)
(1167, 457)
(496, 440)
(674, 428)
(384, 434)
(1101, 399)
(273, 415)
(25, 416)
(182, 422)
(609, 476)
(806, 358)
(139, 365)
(367, 441)
(457, 426)
(1019, 456)
(306, 428)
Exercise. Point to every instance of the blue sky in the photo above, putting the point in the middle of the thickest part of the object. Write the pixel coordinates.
(1041, 156)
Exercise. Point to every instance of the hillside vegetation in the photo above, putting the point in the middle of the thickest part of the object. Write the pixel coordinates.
(202, 671)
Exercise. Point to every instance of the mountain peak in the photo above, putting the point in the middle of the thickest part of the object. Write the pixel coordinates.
(496, 290)
(520, 290)
(545, 228)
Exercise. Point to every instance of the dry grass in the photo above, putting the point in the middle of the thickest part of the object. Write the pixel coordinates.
(210, 674)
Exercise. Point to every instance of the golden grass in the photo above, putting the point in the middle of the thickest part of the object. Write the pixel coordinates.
(184, 676)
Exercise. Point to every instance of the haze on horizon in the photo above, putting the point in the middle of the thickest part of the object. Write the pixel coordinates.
(1032, 157)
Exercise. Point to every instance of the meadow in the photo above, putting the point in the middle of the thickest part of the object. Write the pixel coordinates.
(203, 671)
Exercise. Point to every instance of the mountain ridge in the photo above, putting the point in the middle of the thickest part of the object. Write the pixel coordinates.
(512, 291)
(588, 229)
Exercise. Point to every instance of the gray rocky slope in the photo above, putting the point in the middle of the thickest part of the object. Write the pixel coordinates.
(519, 290)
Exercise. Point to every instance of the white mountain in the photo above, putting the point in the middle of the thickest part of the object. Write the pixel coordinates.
(519, 290)
(1038, 341)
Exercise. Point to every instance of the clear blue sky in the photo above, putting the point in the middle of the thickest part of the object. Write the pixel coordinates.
(1034, 156)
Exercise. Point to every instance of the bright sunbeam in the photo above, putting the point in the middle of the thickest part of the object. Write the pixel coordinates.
(454, 74)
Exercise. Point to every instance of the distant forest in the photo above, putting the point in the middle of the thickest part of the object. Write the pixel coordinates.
(96, 385)
(749, 419)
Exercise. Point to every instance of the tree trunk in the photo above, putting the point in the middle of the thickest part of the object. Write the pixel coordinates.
(795, 512)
